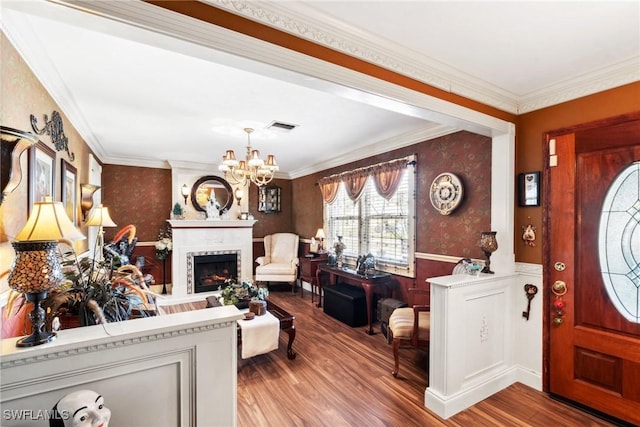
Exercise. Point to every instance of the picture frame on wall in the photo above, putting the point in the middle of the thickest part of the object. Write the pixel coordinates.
(69, 190)
(529, 189)
(42, 172)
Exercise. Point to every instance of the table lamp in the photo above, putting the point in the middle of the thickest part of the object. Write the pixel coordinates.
(321, 236)
(36, 268)
(488, 244)
(99, 217)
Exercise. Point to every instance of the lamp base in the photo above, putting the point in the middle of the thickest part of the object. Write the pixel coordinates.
(486, 271)
(487, 264)
(38, 336)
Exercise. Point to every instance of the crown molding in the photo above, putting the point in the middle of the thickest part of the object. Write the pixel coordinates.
(616, 75)
(384, 146)
(305, 22)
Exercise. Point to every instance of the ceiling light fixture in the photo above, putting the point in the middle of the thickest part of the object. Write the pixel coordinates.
(252, 169)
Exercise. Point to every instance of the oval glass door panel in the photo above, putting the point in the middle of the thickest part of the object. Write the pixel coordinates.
(619, 242)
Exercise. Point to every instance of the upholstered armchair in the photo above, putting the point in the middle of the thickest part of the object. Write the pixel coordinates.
(280, 260)
(409, 325)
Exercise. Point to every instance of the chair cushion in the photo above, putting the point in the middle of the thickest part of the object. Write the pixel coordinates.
(401, 323)
(276, 268)
(424, 325)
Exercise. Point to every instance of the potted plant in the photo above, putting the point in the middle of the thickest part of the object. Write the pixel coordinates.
(91, 292)
(240, 294)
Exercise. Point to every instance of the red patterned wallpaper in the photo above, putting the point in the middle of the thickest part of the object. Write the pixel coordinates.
(464, 154)
(138, 196)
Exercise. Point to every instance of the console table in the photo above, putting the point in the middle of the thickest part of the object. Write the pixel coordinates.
(371, 283)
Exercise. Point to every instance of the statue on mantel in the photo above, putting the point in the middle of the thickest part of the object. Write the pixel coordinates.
(213, 209)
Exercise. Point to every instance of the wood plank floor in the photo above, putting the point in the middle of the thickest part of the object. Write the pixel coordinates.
(342, 377)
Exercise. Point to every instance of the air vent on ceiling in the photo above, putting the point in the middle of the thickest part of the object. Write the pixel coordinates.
(281, 126)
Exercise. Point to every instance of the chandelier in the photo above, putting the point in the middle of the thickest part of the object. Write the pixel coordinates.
(252, 169)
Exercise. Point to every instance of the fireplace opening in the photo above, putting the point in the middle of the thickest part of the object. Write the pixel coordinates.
(210, 271)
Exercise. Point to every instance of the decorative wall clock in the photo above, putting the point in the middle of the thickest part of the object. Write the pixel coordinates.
(446, 193)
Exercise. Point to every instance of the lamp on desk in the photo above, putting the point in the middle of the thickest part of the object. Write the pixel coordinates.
(321, 236)
(36, 268)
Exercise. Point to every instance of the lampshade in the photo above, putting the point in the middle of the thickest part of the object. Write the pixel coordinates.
(320, 234)
(48, 222)
(100, 217)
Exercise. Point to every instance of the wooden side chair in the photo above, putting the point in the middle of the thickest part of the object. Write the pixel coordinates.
(409, 325)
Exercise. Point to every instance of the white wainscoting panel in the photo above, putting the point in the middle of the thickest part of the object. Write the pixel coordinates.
(471, 346)
(172, 370)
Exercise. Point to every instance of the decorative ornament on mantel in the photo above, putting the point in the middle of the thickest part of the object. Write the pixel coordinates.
(252, 169)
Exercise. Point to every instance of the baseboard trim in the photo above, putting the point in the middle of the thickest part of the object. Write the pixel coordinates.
(447, 406)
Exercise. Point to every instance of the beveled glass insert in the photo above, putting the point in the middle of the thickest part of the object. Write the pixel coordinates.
(619, 242)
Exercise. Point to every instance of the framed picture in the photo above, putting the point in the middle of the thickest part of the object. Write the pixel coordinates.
(269, 199)
(529, 189)
(42, 172)
(69, 190)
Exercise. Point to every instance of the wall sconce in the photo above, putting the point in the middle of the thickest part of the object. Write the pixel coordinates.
(184, 190)
(14, 143)
(238, 193)
(86, 198)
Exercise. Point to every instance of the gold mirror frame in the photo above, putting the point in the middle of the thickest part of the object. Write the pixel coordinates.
(202, 189)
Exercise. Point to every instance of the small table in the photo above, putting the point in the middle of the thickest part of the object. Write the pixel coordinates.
(378, 280)
(308, 267)
(285, 319)
(286, 325)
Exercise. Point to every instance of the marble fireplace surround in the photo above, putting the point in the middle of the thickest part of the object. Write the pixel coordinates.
(208, 236)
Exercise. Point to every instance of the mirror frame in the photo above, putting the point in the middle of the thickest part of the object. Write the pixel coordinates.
(205, 179)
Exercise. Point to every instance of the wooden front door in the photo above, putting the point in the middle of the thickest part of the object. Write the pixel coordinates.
(593, 291)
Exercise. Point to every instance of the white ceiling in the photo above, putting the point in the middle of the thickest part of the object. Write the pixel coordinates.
(139, 97)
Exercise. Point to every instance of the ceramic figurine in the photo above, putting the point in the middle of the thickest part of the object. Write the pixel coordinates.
(339, 247)
(213, 209)
(79, 409)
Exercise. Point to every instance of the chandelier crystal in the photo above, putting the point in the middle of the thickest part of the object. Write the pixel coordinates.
(252, 169)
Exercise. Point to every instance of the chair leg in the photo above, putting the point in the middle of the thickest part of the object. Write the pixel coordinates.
(396, 357)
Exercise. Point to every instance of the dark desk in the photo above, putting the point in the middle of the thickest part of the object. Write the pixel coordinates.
(308, 268)
(371, 283)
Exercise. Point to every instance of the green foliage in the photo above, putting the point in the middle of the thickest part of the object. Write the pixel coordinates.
(235, 292)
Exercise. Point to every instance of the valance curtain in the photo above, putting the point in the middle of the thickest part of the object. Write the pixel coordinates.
(386, 178)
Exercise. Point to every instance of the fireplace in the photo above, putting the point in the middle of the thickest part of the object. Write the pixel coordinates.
(207, 271)
(195, 238)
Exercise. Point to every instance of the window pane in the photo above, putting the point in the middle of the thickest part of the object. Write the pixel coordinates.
(375, 225)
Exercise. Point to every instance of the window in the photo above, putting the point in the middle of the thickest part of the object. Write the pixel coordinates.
(373, 224)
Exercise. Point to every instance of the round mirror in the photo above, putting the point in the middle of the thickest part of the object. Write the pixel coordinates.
(211, 186)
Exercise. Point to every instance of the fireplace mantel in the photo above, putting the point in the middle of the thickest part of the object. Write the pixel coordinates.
(211, 223)
(201, 236)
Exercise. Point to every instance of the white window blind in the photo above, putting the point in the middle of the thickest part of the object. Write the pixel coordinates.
(384, 228)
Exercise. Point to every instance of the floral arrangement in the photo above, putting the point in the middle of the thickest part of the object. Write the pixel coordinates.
(164, 243)
(234, 292)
